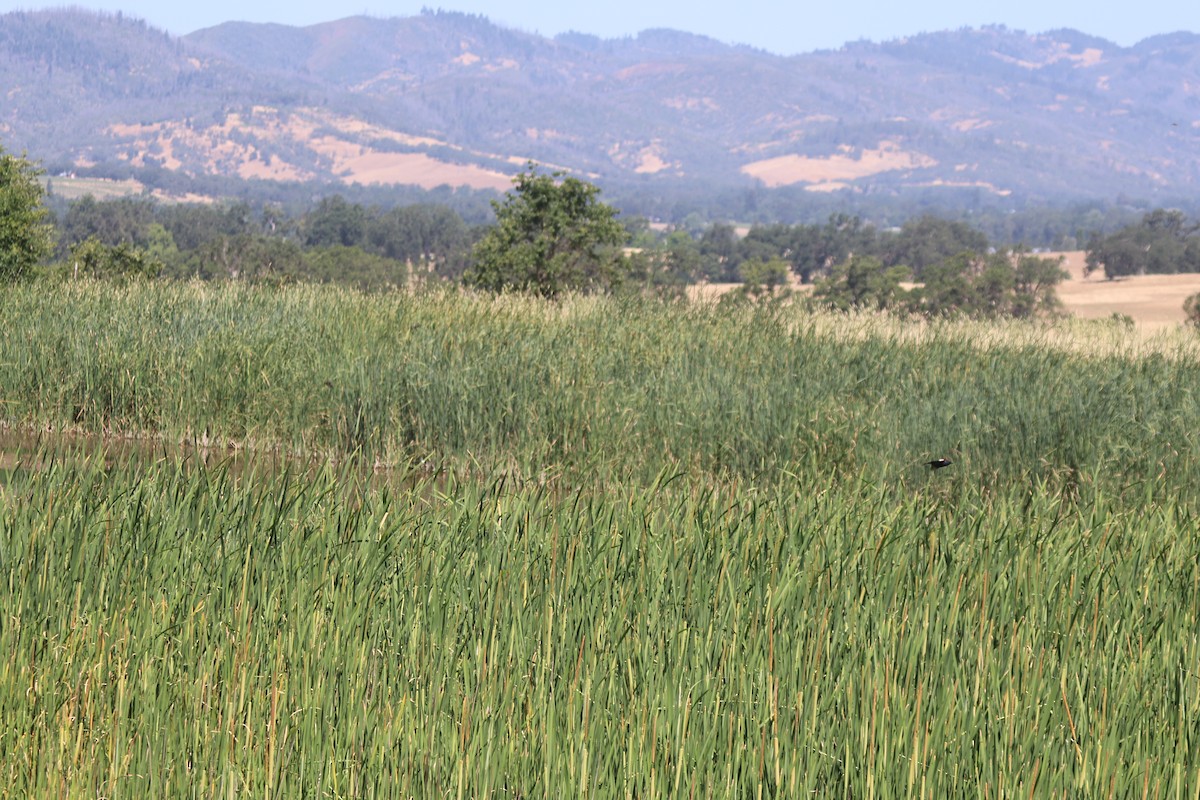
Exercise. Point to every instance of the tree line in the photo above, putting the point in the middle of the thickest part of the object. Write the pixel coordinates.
(1165, 241)
(336, 241)
(552, 234)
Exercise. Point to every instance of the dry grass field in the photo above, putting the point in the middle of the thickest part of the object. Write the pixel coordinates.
(1153, 301)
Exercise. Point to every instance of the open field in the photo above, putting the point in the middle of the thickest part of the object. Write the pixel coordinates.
(100, 188)
(1153, 301)
(622, 548)
(105, 189)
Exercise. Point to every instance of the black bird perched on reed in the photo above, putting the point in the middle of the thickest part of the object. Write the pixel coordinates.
(938, 463)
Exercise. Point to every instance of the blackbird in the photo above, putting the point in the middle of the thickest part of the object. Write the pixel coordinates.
(938, 463)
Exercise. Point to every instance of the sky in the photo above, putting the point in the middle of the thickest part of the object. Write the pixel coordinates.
(779, 26)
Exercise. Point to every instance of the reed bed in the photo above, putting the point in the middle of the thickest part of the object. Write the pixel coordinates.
(598, 389)
(173, 630)
(620, 549)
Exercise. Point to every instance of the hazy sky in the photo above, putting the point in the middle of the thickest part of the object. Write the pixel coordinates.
(776, 25)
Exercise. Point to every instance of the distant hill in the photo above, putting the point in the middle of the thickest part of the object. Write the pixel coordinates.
(978, 115)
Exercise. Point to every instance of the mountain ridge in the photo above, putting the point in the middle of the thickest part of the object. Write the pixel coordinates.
(977, 115)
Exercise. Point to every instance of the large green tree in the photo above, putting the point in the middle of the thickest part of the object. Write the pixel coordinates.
(25, 236)
(552, 235)
(861, 282)
(930, 241)
(1005, 283)
(424, 235)
(1165, 241)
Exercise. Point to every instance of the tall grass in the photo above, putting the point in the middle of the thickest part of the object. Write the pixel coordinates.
(627, 550)
(172, 630)
(596, 388)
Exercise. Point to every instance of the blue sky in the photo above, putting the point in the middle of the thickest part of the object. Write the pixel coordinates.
(775, 25)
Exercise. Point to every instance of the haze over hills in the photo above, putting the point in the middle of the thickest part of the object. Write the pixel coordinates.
(980, 116)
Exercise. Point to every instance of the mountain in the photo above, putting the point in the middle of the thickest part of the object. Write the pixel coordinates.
(986, 115)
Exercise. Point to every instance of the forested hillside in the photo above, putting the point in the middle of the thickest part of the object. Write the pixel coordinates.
(977, 118)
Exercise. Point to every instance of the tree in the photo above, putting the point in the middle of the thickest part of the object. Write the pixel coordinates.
(551, 236)
(666, 268)
(423, 235)
(25, 236)
(818, 248)
(861, 282)
(336, 222)
(94, 259)
(1000, 284)
(247, 257)
(191, 225)
(1191, 308)
(719, 252)
(349, 265)
(1036, 285)
(929, 241)
(764, 280)
(110, 222)
(1163, 242)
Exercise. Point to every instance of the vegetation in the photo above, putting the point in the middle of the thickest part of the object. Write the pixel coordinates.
(552, 235)
(25, 236)
(427, 542)
(1163, 242)
(931, 242)
(998, 284)
(763, 279)
(294, 634)
(627, 548)
(336, 241)
(862, 282)
(93, 259)
(588, 385)
(374, 248)
(1191, 308)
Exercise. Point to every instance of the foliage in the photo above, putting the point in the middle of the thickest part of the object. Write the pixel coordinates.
(1191, 309)
(764, 280)
(667, 268)
(124, 220)
(600, 385)
(861, 282)
(351, 266)
(237, 240)
(998, 284)
(628, 548)
(1035, 284)
(424, 235)
(720, 252)
(297, 632)
(92, 258)
(25, 235)
(551, 236)
(930, 241)
(193, 225)
(336, 223)
(244, 256)
(811, 250)
(1163, 242)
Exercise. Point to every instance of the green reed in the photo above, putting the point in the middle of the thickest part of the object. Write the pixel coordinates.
(625, 549)
(171, 629)
(594, 388)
